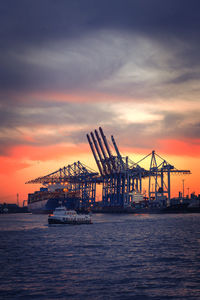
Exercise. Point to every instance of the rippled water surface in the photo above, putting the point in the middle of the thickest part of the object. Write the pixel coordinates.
(117, 257)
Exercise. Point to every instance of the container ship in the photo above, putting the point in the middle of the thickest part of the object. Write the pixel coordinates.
(45, 201)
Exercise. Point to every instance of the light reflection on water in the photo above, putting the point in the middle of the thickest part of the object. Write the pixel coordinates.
(18, 222)
(117, 257)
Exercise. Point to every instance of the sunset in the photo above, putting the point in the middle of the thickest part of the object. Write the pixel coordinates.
(70, 67)
(77, 68)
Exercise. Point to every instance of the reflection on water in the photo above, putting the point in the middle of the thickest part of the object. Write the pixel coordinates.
(117, 257)
(20, 222)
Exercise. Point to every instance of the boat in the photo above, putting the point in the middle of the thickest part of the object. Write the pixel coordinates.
(63, 216)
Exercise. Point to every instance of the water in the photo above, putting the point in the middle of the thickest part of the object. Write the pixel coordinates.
(117, 257)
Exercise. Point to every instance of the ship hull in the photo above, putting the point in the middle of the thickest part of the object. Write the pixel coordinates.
(46, 206)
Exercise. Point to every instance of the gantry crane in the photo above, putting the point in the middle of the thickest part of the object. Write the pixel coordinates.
(119, 178)
(73, 178)
(159, 169)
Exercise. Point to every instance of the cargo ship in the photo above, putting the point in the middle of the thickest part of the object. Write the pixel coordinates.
(45, 201)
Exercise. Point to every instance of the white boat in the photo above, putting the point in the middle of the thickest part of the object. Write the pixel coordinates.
(63, 216)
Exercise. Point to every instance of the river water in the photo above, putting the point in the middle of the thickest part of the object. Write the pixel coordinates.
(119, 256)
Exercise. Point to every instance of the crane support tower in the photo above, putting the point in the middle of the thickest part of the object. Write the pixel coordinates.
(120, 180)
(160, 172)
(76, 178)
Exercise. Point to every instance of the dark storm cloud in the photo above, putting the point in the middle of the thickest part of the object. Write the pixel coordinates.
(49, 113)
(59, 67)
(35, 20)
(185, 78)
(28, 29)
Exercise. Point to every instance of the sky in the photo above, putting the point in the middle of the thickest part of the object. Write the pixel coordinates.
(68, 67)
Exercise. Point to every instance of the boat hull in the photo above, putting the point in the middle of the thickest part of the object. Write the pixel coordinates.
(72, 222)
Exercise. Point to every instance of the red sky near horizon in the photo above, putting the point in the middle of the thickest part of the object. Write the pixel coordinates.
(29, 157)
(76, 69)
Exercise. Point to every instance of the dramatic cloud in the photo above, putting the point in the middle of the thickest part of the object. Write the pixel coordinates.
(50, 113)
(68, 67)
(33, 20)
(49, 124)
(106, 62)
(137, 49)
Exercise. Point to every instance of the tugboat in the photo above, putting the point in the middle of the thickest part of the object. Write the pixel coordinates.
(63, 216)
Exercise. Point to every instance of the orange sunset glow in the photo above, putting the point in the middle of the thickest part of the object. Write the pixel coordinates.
(31, 159)
(100, 149)
(139, 83)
